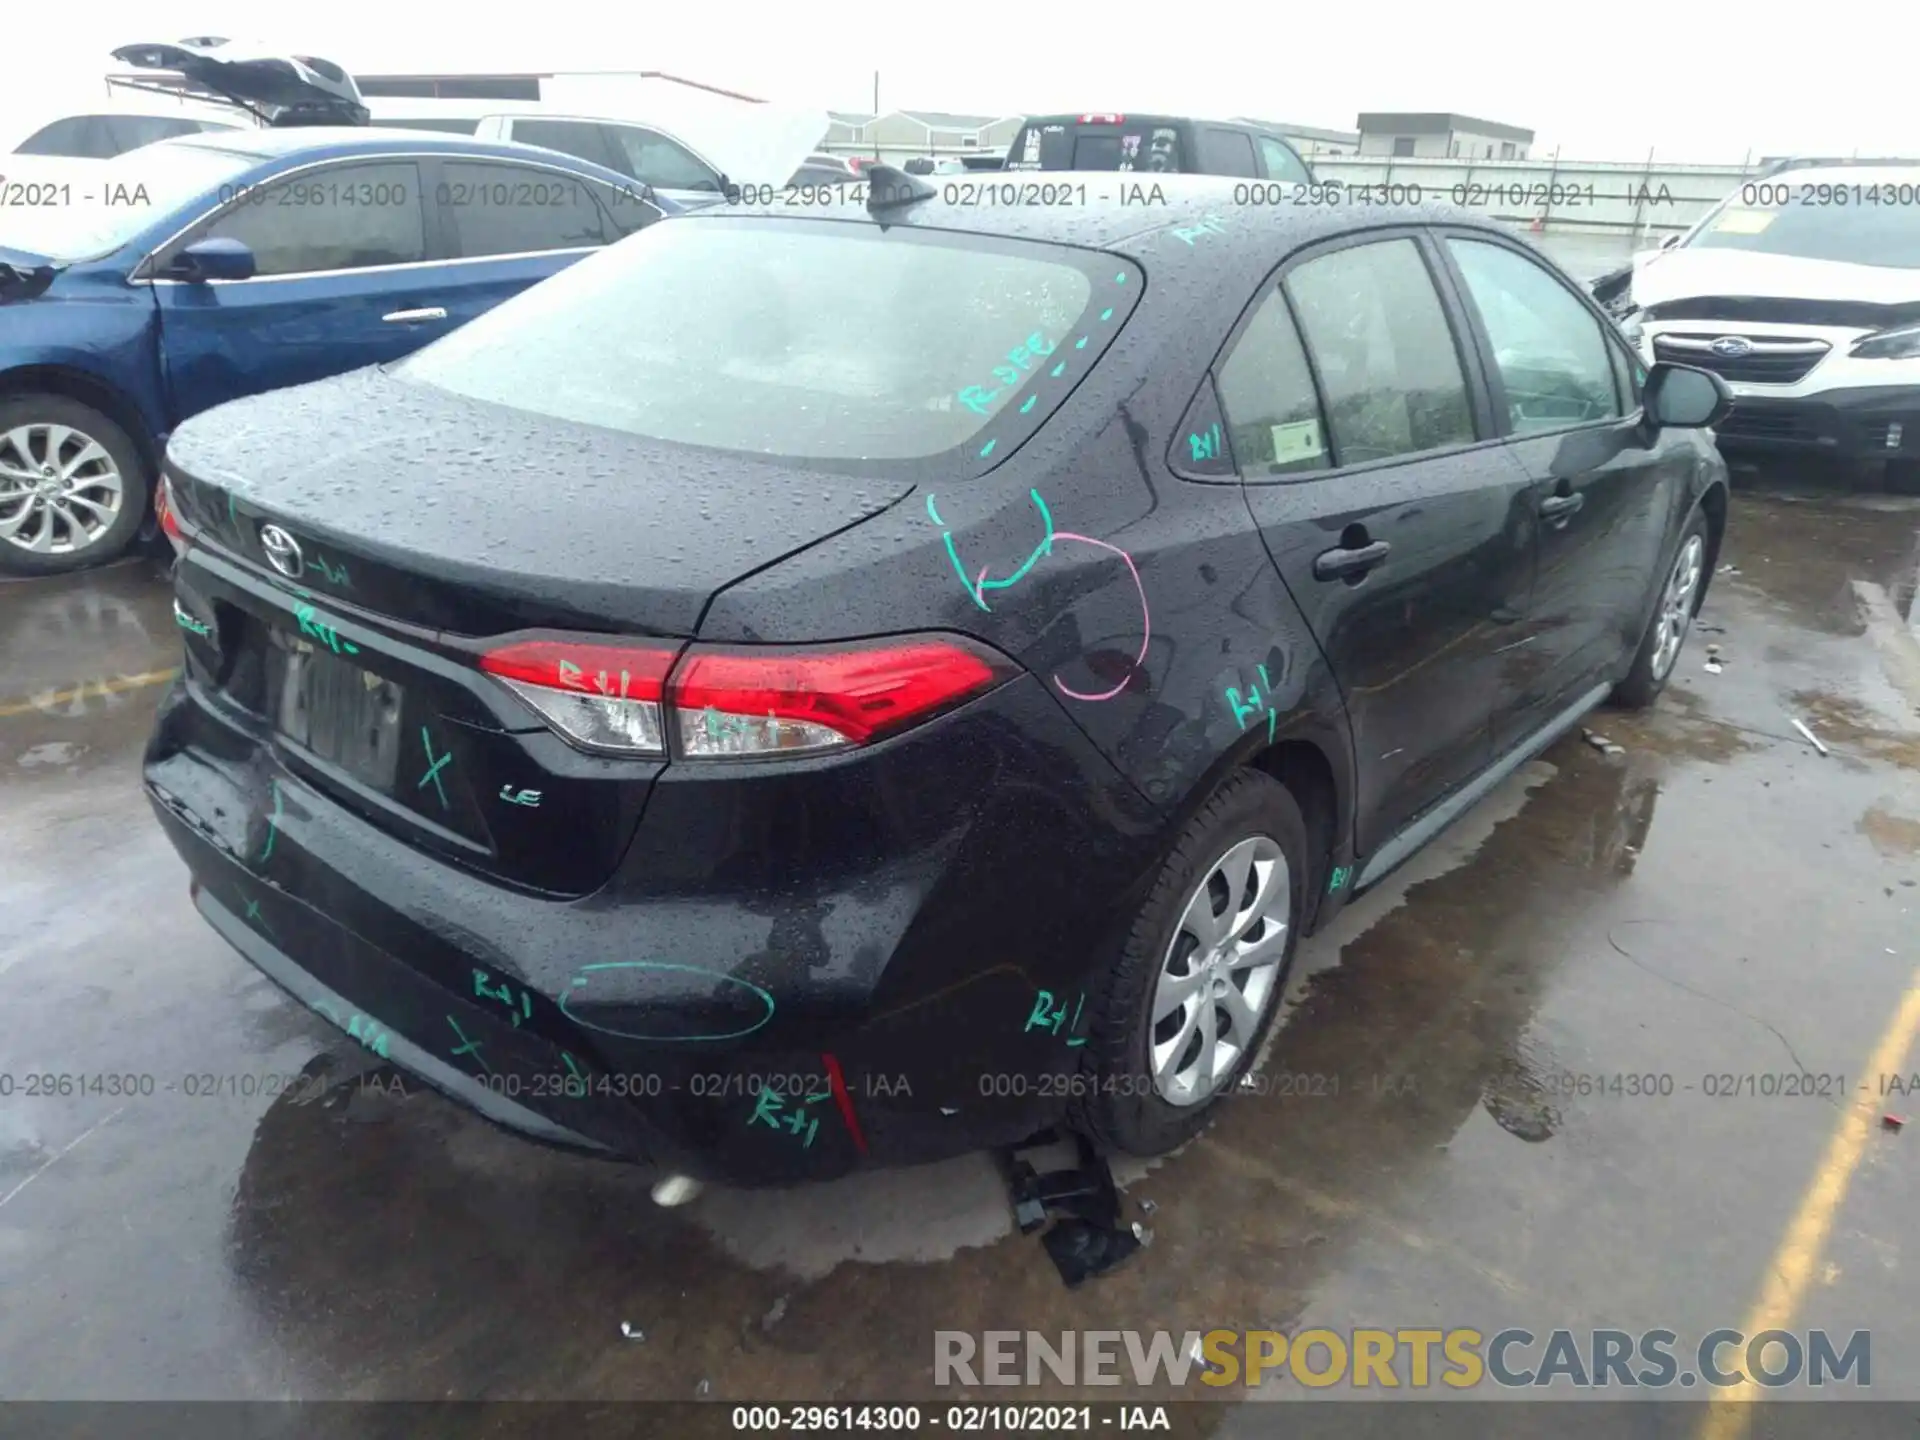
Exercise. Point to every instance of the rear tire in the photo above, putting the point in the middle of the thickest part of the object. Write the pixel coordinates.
(1178, 1020)
(73, 486)
(1680, 592)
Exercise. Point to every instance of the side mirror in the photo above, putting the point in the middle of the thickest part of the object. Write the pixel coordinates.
(919, 165)
(217, 258)
(1685, 398)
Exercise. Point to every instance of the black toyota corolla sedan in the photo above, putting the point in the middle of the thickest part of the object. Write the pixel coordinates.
(802, 691)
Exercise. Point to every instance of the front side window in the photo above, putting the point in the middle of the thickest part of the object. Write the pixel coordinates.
(808, 340)
(1282, 163)
(505, 209)
(344, 217)
(584, 139)
(1549, 348)
(1385, 353)
(1266, 390)
(654, 160)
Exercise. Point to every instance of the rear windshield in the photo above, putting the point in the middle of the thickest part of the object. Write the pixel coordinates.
(809, 340)
(1150, 145)
(87, 208)
(1857, 224)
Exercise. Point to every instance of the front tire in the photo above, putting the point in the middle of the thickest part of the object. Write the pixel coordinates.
(1672, 618)
(73, 486)
(1198, 982)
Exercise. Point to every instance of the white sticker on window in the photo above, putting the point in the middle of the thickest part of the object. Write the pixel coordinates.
(1743, 222)
(1298, 441)
(1031, 152)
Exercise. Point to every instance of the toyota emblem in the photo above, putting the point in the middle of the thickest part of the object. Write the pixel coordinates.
(283, 551)
(1732, 347)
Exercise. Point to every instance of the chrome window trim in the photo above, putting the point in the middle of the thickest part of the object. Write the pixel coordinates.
(385, 269)
(135, 276)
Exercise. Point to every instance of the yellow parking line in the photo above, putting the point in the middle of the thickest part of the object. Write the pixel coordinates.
(92, 687)
(1793, 1265)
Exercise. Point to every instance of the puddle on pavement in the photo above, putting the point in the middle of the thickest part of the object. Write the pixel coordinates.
(1800, 554)
(1843, 723)
(396, 1227)
(1891, 834)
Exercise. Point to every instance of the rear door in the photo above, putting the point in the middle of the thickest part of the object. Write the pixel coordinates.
(1603, 490)
(509, 223)
(1358, 423)
(1220, 150)
(341, 254)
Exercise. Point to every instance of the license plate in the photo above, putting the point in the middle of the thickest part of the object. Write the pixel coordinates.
(342, 714)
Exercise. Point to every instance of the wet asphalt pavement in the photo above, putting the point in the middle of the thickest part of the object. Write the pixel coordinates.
(1716, 900)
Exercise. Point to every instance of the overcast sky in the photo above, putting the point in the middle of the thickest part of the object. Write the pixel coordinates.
(1695, 82)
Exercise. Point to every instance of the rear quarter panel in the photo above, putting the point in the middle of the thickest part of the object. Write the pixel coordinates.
(1152, 615)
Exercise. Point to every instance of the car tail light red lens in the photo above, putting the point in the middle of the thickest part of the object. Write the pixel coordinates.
(1102, 119)
(169, 520)
(599, 696)
(767, 701)
(740, 702)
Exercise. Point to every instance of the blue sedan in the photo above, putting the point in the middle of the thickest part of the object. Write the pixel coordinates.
(142, 290)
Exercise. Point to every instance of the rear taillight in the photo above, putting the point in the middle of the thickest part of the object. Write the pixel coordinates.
(1103, 119)
(743, 702)
(601, 697)
(169, 520)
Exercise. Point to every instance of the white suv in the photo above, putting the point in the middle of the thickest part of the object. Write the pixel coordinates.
(1802, 291)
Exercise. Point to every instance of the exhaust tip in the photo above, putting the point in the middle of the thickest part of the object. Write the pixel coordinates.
(675, 1190)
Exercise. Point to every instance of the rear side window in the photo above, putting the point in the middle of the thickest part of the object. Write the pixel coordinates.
(1384, 351)
(1224, 152)
(1266, 389)
(501, 209)
(1552, 355)
(803, 340)
(350, 217)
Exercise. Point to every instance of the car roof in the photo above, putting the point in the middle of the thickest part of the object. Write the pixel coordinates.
(271, 143)
(1161, 205)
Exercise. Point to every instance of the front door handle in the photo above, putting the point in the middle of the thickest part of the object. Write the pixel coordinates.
(409, 317)
(1559, 507)
(1349, 564)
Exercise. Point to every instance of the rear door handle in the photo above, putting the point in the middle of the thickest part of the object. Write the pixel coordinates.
(408, 317)
(1559, 507)
(1345, 564)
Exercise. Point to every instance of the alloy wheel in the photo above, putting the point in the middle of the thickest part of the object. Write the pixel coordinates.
(1676, 605)
(1220, 972)
(60, 490)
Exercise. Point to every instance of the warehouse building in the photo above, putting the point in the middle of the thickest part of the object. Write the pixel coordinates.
(1441, 137)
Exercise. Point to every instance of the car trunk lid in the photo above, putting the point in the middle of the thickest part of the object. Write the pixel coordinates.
(340, 599)
(279, 89)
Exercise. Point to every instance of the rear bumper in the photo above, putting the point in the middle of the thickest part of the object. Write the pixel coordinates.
(879, 989)
(1878, 423)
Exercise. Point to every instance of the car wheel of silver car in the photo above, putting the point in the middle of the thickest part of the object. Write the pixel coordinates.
(73, 486)
(1673, 611)
(1199, 979)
